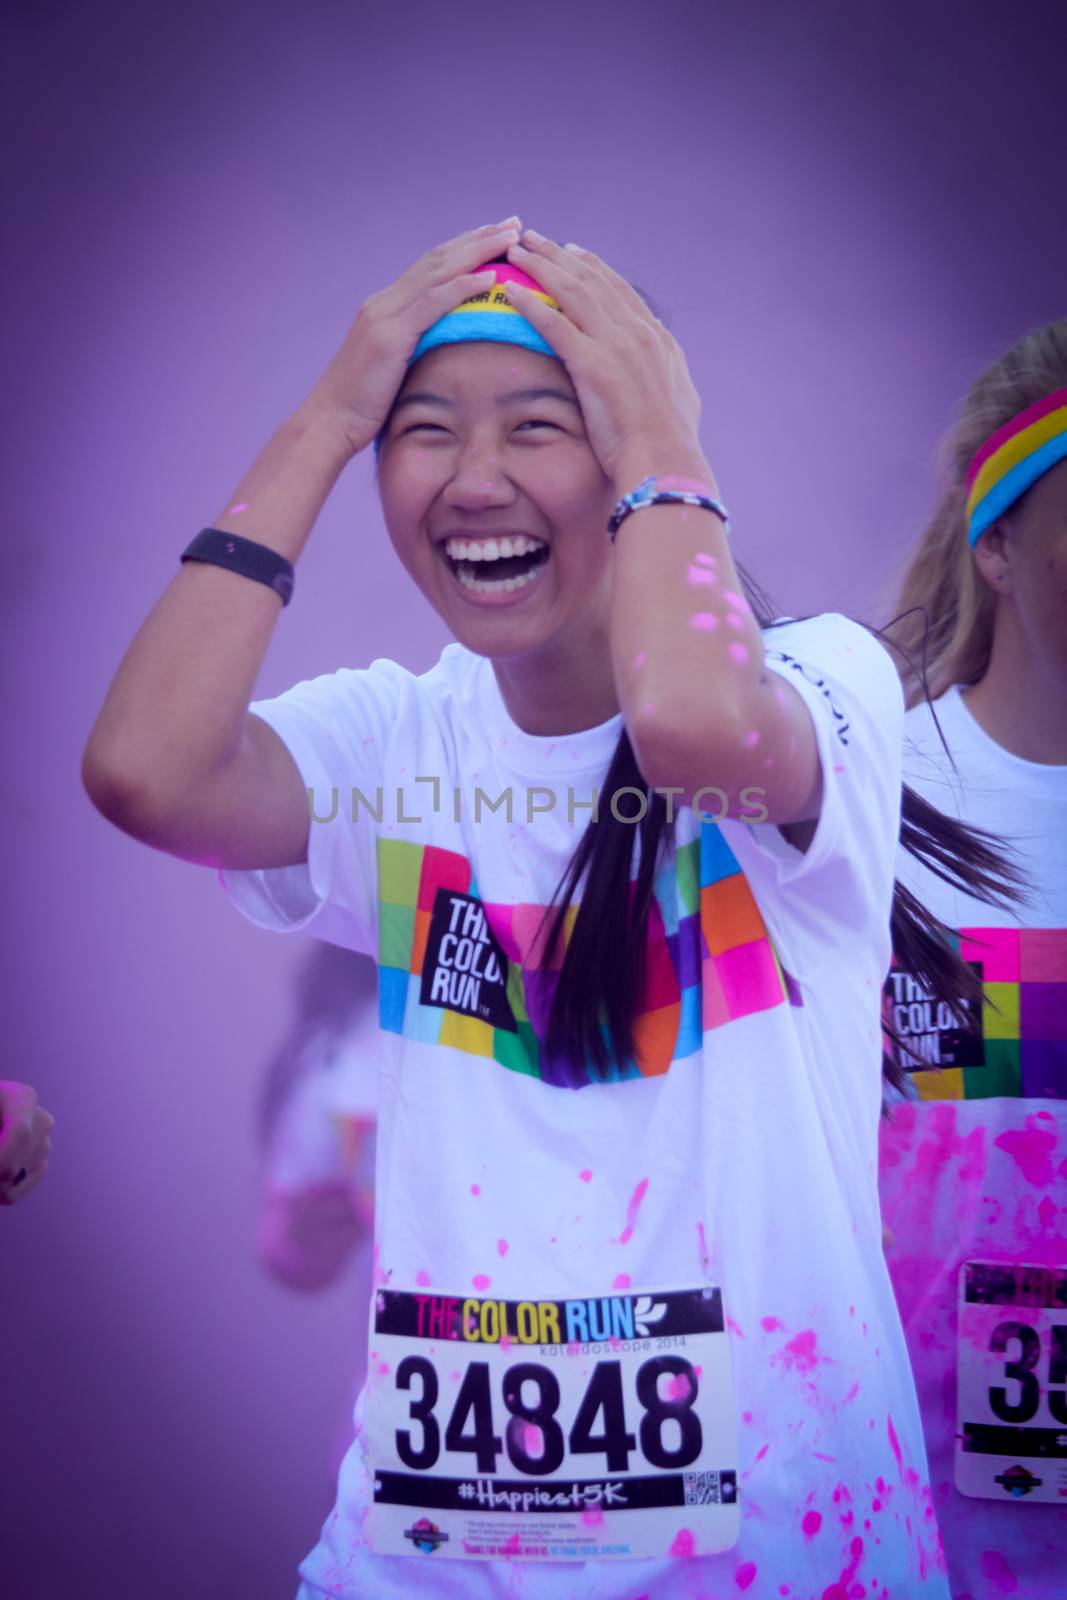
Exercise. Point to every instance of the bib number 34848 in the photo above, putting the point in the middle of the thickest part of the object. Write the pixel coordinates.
(552, 1430)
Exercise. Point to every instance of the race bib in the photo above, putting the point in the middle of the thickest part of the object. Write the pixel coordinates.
(552, 1430)
(1011, 1431)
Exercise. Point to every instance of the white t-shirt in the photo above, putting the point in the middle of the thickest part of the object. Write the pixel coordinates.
(740, 1157)
(974, 1166)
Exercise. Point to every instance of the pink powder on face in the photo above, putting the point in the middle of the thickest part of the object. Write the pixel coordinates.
(480, 1281)
(745, 1574)
(631, 1211)
(996, 1570)
(683, 1544)
(621, 1281)
(704, 621)
(738, 651)
(811, 1524)
(502, 1247)
(585, 1175)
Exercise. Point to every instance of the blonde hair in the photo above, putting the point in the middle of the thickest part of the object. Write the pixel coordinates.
(951, 607)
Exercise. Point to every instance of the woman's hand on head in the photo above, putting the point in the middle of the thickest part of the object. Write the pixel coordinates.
(629, 373)
(359, 386)
(25, 1141)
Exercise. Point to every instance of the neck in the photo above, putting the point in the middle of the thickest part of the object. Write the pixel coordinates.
(558, 691)
(1021, 703)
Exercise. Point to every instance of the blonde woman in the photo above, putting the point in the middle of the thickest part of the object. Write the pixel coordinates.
(974, 1163)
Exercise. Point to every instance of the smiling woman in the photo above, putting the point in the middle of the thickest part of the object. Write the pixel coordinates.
(710, 986)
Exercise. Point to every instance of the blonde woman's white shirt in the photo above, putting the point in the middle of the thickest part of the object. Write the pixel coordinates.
(974, 1175)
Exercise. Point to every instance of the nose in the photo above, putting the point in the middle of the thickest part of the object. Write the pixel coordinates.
(479, 481)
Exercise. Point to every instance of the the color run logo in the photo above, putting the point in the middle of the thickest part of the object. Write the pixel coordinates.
(536, 1321)
(464, 968)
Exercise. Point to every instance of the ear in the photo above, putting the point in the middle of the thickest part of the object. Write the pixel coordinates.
(992, 558)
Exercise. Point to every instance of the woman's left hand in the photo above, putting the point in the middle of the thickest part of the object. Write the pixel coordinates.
(629, 373)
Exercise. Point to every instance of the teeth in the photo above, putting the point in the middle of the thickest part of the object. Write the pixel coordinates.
(492, 549)
(496, 585)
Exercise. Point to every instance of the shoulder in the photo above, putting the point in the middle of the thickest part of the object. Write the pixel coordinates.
(847, 665)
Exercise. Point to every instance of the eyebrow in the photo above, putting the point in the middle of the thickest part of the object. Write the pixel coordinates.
(522, 396)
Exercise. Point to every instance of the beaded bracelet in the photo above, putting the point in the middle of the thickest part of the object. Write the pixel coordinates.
(648, 493)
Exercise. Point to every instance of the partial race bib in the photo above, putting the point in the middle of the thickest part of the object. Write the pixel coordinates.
(552, 1430)
(1011, 1433)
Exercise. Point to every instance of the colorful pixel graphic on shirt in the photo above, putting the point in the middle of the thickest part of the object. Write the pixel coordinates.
(458, 971)
(1020, 1048)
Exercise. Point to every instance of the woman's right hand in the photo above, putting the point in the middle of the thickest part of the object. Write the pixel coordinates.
(360, 384)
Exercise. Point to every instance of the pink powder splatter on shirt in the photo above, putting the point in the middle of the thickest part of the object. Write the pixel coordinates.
(1031, 1150)
(734, 1327)
(704, 621)
(894, 1445)
(683, 1544)
(760, 1453)
(480, 1281)
(811, 1524)
(476, 1188)
(1046, 1212)
(852, 1393)
(745, 1575)
(621, 1280)
(632, 1209)
(513, 1546)
(769, 1324)
(800, 1353)
(585, 1175)
(996, 1570)
(738, 651)
(502, 1247)
(422, 1278)
(593, 1516)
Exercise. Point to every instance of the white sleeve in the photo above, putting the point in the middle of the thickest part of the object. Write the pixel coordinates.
(840, 888)
(337, 729)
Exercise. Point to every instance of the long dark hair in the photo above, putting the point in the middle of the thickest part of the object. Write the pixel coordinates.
(591, 1023)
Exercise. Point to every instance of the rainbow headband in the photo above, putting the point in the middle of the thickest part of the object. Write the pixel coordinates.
(1013, 459)
(488, 317)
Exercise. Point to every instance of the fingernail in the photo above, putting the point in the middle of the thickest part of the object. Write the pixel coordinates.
(576, 249)
(516, 219)
(533, 236)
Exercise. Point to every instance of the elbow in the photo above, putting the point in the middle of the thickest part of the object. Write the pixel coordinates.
(122, 792)
(684, 753)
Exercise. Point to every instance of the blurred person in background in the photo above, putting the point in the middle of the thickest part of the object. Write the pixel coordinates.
(974, 1161)
(25, 1141)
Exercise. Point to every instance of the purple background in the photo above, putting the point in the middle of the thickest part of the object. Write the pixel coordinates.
(844, 211)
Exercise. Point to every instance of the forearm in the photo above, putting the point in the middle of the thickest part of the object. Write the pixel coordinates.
(687, 650)
(177, 708)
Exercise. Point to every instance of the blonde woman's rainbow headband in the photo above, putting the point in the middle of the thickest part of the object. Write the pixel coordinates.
(487, 317)
(1013, 459)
